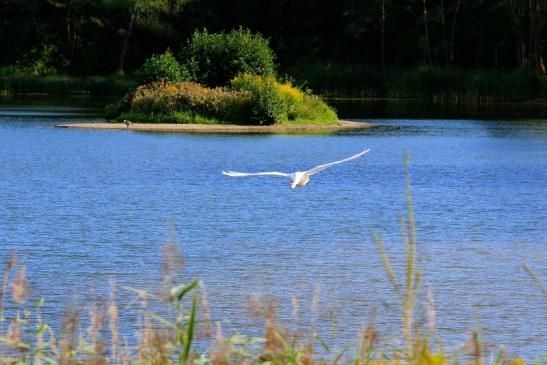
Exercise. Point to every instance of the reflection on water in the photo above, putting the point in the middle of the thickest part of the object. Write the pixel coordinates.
(83, 206)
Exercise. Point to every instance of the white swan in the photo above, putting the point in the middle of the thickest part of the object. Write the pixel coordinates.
(299, 178)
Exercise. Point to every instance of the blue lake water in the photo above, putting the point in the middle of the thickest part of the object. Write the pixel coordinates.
(81, 207)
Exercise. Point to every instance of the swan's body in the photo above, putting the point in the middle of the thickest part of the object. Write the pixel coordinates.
(298, 178)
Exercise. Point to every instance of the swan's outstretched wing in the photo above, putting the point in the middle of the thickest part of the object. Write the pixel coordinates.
(273, 173)
(316, 169)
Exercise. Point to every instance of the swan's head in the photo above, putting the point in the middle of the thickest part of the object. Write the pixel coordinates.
(292, 185)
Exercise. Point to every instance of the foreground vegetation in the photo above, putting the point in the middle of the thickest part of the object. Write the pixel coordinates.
(173, 326)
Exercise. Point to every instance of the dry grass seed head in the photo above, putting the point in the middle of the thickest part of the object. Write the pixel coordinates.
(20, 287)
(204, 329)
(94, 330)
(113, 325)
(295, 303)
(276, 339)
(15, 335)
(368, 338)
(173, 261)
(69, 336)
(221, 353)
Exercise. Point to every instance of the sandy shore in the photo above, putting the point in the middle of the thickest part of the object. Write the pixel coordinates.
(222, 128)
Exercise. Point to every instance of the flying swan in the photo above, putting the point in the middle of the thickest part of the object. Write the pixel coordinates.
(298, 178)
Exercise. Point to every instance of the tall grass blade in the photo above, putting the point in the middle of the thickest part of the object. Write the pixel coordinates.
(379, 241)
(184, 289)
(190, 331)
(535, 278)
(323, 344)
(341, 354)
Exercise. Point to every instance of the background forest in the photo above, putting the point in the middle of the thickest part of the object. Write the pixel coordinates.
(350, 41)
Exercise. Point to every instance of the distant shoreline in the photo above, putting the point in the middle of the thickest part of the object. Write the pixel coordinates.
(222, 128)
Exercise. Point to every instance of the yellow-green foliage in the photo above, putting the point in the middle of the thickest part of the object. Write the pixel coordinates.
(275, 102)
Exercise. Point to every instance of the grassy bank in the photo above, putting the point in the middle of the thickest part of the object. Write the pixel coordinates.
(174, 326)
(13, 81)
(428, 83)
(330, 80)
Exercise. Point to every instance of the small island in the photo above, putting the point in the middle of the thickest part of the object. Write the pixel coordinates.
(250, 104)
(220, 82)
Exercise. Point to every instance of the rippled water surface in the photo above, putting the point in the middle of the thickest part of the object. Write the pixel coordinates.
(83, 206)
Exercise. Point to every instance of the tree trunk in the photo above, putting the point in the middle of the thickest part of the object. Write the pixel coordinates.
(125, 42)
(535, 45)
(443, 26)
(383, 36)
(453, 32)
(531, 34)
(427, 48)
(520, 12)
(68, 28)
(523, 54)
(71, 32)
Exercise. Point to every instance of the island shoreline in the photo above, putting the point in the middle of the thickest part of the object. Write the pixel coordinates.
(342, 125)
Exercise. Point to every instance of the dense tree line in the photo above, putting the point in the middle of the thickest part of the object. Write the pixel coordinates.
(84, 37)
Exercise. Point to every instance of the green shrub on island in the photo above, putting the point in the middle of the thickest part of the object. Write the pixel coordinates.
(251, 99)
(275, 102)
(213, 59)
(268, 104)
(162, 67)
